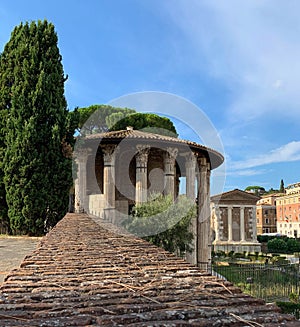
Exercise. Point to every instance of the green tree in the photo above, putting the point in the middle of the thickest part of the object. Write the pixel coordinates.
(36, 154)
(257, 190)
(281, 188)
(151, 123)
(166, 222)
(292, 245)
(98, 118)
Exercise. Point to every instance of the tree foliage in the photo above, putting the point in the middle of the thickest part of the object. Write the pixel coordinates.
(166, 222)
(103, 118)
(277, 245)
(283, 245)
(98, 118)
(35, 150)
(281, 188)
(257, 190)
(151, 123)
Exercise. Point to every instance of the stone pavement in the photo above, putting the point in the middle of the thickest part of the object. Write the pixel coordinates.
(13, 249)
(83, 273)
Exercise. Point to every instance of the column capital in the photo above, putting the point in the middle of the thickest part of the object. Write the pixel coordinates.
(142, 154)
(82, 154)
(190, 159)
(109, 152)
(171, 153)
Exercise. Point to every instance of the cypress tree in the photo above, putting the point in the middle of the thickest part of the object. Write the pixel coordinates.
(36, 167)
(281, 188)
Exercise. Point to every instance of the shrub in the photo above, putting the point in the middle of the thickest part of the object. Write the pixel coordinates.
(163, 222)
(277, 245)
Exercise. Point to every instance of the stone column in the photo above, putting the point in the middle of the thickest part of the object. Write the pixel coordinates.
(190, 168)
(242, 223)
(229, 221)
(190, 172)
(252, 213)
(169, 170)
(80, 181)
(109, 154)
(204, 239)
(217, 224)
(141, 184)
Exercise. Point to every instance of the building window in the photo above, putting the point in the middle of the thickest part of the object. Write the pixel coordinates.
(267, 220)
(280, 225)
(266, 212)
(257, 220)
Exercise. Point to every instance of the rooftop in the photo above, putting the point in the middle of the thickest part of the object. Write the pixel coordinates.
(216, 158)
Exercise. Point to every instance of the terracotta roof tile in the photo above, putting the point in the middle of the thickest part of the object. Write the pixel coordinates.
(84, 274)
(216, 157)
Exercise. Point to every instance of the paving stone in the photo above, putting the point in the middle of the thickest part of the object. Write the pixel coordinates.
(87, 273)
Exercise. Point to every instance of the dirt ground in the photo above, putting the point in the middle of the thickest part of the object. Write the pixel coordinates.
(13, 250)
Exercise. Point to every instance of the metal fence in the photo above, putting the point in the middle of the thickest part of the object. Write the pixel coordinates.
(271, 282)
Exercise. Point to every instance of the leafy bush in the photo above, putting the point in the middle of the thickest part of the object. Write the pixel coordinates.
(277, 245)
(283, 245)
(163, 222)
(290, 307)
(293, 245)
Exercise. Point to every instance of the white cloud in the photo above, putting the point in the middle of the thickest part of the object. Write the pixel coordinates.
(286, 153)
(252, 46)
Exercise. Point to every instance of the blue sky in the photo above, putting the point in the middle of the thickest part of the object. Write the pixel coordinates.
(236, 60)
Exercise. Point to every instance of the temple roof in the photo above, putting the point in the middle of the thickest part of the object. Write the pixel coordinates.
(85, 272)
(235, 195)
(216, 158)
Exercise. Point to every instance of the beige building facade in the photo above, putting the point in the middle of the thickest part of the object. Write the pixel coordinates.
(233, 222)
(117, 170)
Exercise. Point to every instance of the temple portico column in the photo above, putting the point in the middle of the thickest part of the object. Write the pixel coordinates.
(204, 239)
(109, 155)
(80, 181)
(141, 187)
(252, 212)
(169, 170)
(242, 223)
(229, 221)
(190, 168)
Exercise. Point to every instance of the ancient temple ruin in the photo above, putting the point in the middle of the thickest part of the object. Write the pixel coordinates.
(118, 169)
(234, 222)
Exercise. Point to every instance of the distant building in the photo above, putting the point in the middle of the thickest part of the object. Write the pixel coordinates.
(288, 211)
(234, 221)
(266, 214)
